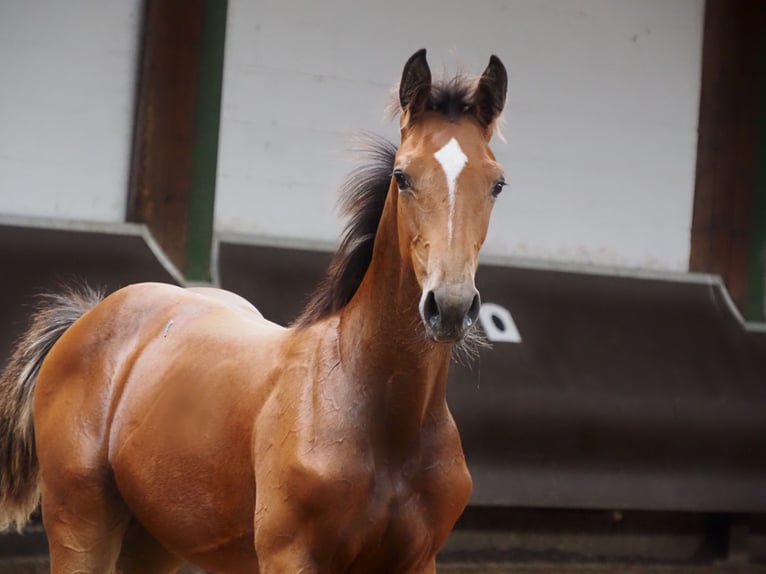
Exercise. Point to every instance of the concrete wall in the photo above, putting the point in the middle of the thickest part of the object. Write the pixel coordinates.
(601, 123)
(67, 86)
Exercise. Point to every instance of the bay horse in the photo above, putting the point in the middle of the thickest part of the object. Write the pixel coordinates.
(161, 425)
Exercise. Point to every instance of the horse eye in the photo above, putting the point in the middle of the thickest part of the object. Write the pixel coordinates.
(498, 188)
(402, 181)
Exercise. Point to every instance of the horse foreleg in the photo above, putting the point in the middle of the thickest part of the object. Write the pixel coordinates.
(280, 554)
(288, 561)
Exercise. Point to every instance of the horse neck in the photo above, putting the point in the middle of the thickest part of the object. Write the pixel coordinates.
(383, 342)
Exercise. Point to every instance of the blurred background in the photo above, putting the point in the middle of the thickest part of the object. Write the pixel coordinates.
(620, 417)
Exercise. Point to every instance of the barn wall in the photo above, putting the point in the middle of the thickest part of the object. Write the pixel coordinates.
(601, 122)
(67, 86)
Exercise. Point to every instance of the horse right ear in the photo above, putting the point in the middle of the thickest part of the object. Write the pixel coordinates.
(491, 92)
(415, 87)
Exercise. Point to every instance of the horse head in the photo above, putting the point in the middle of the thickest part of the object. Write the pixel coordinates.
(447, 180)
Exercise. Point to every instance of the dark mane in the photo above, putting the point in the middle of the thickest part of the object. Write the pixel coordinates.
(363, 196)
(453, 97)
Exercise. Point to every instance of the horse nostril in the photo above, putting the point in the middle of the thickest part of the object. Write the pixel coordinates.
(431, 310)
(473, 311)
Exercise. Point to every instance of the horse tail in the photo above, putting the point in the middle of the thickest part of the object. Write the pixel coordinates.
(19, 471)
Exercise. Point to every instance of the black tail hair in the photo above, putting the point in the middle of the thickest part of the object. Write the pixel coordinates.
(19, 471)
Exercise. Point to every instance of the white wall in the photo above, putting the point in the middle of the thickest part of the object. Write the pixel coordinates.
(67, 84)
(601, 122)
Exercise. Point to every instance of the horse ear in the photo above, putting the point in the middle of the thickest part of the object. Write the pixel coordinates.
(491, 91)
(415, 87)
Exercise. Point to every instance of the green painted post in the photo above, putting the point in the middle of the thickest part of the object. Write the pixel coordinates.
(207, 118)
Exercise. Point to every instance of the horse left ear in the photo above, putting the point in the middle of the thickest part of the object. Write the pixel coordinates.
(491, 91)
(415, 86)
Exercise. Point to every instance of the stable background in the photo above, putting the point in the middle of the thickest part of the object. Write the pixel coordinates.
(202, 141)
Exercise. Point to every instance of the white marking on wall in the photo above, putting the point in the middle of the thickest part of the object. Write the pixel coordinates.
(498, 324)
(452, 160)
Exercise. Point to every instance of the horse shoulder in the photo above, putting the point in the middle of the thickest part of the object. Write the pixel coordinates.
(308, 430)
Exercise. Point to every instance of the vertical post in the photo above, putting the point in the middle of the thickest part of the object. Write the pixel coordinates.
(728, 224)
(756, 280)
(206, 134)
(175, 150)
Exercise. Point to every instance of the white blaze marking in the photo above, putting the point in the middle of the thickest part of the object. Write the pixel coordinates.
(452, 160)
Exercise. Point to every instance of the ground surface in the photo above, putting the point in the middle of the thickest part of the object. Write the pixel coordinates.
(39, 566)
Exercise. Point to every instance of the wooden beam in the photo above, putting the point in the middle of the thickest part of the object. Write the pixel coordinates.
(722, 224)
(175, 146)
(756, 283)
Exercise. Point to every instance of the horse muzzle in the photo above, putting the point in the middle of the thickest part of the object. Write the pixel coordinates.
(449, 311)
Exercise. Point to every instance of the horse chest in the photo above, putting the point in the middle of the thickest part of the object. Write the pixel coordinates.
(397, 530)
(383, 517)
